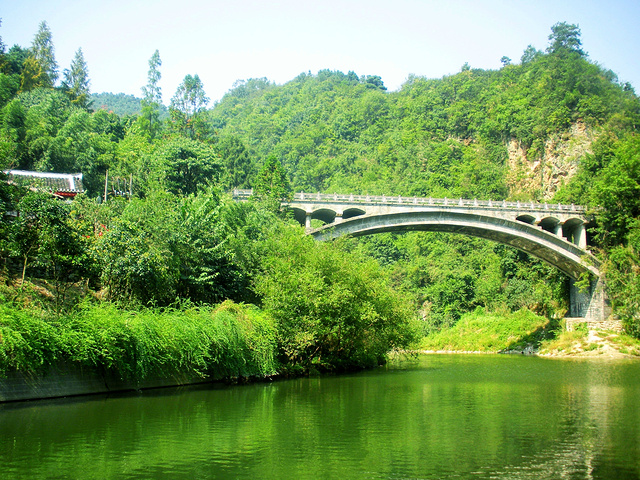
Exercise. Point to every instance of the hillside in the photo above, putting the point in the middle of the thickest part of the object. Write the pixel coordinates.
(554, 127)
(518, 132)
(121, 104)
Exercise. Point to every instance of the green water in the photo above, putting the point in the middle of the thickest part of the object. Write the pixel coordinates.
(449, 416)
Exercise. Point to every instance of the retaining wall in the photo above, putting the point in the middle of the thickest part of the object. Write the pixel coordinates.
(70, 380)
(609, 324)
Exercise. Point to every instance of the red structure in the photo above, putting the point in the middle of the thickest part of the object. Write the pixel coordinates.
(64, 185)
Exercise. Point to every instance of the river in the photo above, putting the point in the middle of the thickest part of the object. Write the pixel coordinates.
(432, 417)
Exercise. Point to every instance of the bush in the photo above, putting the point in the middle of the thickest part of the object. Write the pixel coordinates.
(230, 341)
(334, 310)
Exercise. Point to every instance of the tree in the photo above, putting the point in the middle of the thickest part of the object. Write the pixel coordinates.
(189, 165)
(76, 81)
(152, 91)
(32, 75)
(374, 81)
(236, 161)
(43, 51)
(530, 54)
(565, 37)
(334, 309)
(187, 104)
(152, 97)
(272, 185)
(42, 234)
(3, 48)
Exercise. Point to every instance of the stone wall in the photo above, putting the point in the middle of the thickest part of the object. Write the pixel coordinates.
(609, 324)
(71, 380)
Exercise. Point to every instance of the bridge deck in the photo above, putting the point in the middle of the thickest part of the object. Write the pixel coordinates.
(350, 199)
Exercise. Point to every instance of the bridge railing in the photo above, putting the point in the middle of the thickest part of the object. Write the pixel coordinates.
(302, 197)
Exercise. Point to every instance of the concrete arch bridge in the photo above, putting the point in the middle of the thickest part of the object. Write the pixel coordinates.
(554, 233)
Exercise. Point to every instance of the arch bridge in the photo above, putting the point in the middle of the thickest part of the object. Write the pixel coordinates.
(555, 233)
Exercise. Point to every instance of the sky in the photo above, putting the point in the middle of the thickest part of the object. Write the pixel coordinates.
(226, 41)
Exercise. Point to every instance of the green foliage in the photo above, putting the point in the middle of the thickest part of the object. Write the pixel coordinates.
(187, 108)
(43, 52)
(150, 117)
(272, 185)
(565, 38)
(334, 310)
(622, 270)
(163, 248)
(483, 332)
(122, 104)
(189, 165)
(230, 341)
(236, 161)
(76, 81)
(449, 275)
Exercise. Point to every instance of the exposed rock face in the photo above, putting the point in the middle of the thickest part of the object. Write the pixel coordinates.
(540, 178)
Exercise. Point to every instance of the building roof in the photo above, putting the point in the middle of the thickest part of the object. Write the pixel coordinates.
(60, 183)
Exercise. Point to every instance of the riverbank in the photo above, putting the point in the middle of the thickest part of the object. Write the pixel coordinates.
(524, 332)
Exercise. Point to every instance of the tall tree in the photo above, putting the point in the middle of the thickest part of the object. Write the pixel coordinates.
(272, 185)
(150, 118)
(32, 75)
(187, 104)
(565, 37)
(152, 91)
(43, 51)
(76, 81)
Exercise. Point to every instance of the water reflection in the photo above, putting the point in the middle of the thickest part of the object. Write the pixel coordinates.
(434, 417)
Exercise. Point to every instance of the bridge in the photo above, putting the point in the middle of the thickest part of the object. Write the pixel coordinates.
(555, 233)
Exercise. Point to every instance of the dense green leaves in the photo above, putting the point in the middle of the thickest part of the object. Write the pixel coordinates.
(190, 165)
(334, 309)
(227, 342)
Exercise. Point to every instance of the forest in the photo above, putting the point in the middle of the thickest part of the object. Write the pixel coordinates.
(554, 126)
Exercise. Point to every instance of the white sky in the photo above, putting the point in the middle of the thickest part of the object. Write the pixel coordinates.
(223, 41)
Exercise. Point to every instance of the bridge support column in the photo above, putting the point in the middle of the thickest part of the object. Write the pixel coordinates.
(338, 218)
(558, 229)
(307, 221)
(593, 304)
(580, 236)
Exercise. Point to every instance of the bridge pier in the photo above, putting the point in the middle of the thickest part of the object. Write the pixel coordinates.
(591, 305)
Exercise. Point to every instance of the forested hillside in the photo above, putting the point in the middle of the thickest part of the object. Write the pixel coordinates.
(554, 126)
(121, 104)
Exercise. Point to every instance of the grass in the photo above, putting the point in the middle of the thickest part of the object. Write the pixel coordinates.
(581, 342)
(227, 341)
(481, 331)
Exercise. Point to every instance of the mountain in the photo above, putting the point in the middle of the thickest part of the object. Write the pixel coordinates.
(122, 104)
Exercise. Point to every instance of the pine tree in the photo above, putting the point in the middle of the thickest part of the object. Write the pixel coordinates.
(76, 81)
(43, 51)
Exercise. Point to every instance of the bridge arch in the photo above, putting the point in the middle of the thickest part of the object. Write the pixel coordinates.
(559, 252)
(536, 241)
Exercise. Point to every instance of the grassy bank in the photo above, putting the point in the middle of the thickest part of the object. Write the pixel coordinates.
(583, 342)
(481, 331)
(523, 331)
(227, 341)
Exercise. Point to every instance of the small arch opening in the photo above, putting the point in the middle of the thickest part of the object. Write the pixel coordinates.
(526, 219)
(549, 224)
(352, 212)
(325, 215)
